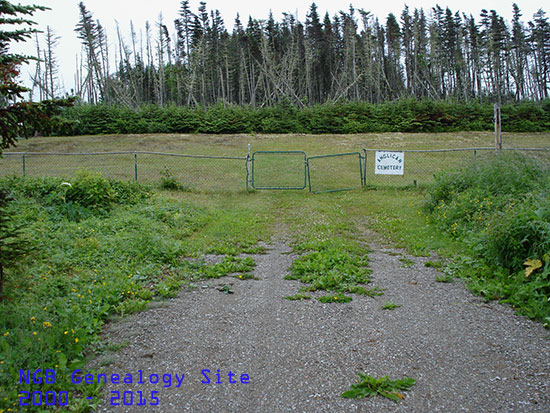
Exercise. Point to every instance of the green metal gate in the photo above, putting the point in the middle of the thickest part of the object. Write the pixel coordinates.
(331, 171)
(279, 170)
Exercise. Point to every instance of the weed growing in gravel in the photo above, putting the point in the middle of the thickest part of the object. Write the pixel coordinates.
(434, 264)
(444, 278)
(228, 265)
(246, 276)
(298, 297)
(357, 289)
(390, 306)
(337, 298)
(406, 262)
(332, 265)
(225, 288)
(370, 386)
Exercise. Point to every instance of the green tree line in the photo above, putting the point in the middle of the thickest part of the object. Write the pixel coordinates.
(409, 115)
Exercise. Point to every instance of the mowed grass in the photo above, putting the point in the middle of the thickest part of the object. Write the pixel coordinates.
(220, 175)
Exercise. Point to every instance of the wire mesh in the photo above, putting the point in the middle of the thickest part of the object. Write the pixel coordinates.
(278, 170)
(197, 173)
(194, 172)
(109, 165)
(11, 164)
(422, 165)
(338, 172)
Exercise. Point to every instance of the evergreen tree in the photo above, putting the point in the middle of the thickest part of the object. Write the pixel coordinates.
(18, 118)
(12, 245)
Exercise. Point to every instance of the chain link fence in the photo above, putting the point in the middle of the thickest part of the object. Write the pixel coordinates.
(194, 172)
(420, 166)
(261, 169)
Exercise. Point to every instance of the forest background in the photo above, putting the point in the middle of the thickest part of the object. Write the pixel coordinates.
(435, 70)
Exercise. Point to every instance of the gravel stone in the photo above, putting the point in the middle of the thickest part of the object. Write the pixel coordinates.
(466, 355)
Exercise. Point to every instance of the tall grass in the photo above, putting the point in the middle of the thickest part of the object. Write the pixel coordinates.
(500, 208)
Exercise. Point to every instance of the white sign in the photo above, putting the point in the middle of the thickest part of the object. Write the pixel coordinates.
(389, 163)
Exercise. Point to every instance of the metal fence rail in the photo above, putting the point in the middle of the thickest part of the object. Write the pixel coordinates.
(259, 170)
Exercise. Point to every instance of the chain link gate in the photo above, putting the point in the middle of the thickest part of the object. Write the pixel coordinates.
(336, 169)
(279, 170)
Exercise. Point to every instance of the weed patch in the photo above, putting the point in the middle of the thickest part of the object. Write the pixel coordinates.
(331, 266)
(298, 297)
(228, 265)
(406, 262)
(337, 298)
(169, 182)
(390, 306)
(370, 386)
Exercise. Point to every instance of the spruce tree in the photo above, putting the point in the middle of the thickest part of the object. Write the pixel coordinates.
(19, 118)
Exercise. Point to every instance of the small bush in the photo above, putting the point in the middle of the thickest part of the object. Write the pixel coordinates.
(170, 182)
(91, 190)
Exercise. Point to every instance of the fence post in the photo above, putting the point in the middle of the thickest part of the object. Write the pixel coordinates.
(248, 177)
(23, 157)
(135, 167)
(498, 127)
(364, 177)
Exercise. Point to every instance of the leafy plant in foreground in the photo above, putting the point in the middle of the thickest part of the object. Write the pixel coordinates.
(499, 208)
(370, 386)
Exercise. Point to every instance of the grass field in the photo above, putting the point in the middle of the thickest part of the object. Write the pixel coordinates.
(214, 175)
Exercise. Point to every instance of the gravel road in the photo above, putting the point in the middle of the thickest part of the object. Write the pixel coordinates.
(466, 355)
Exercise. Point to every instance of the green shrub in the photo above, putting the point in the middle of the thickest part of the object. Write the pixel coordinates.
(90, 190)
(500, 208)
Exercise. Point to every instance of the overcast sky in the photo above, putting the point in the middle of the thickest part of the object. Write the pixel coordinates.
(64, 15)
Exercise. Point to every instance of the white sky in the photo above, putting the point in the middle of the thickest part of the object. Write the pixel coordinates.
(64, 16)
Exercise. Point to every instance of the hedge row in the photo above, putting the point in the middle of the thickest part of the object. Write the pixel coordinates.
(401, 116)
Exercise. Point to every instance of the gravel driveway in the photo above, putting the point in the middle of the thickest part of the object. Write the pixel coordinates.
(466, 355)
